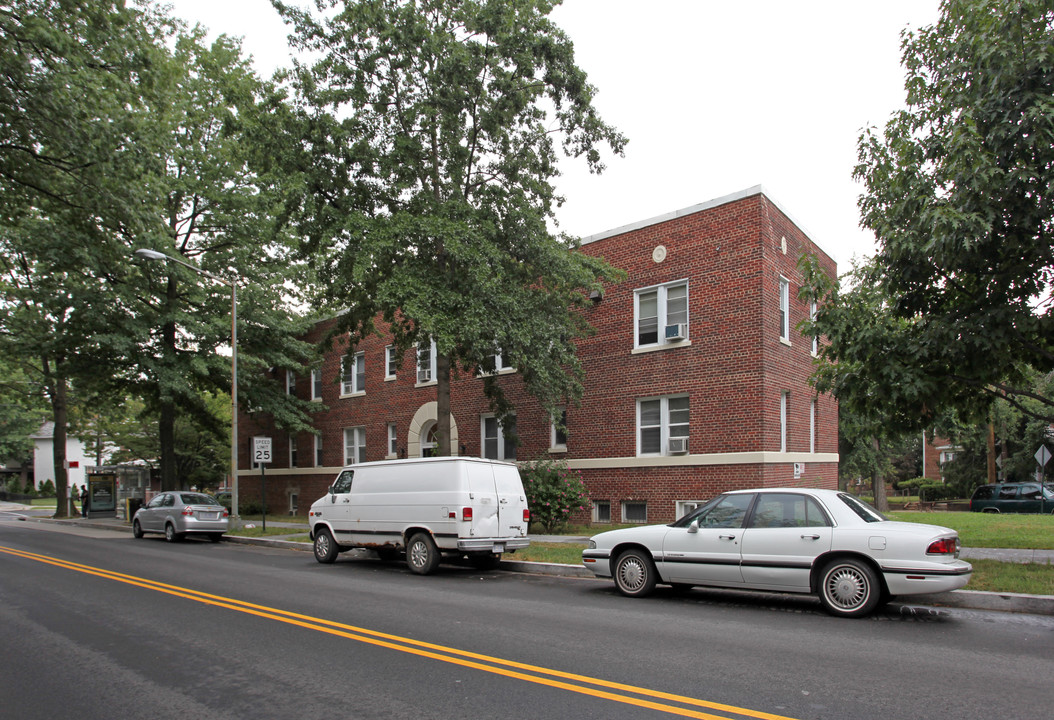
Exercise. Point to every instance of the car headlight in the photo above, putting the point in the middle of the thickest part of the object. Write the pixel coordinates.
(592, 544)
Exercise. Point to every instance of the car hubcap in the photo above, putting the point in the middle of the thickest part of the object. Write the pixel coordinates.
(322, 545)
(418, 554)
(631, 574)
(846, 588)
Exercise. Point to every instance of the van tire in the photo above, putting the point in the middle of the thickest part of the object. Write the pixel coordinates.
(422, 555)
(324, 547)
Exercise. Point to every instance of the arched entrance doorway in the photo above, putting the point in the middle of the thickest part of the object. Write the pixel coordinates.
(420, 436)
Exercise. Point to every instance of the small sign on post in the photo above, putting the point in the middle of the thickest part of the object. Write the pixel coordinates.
(262, 457)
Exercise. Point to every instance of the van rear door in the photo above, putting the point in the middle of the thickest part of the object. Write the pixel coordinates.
(484, 501)
(512, 501)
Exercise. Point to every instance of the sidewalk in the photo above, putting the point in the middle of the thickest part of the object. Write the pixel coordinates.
(971, 599)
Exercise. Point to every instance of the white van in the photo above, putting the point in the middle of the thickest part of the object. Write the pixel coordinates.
(427, 507)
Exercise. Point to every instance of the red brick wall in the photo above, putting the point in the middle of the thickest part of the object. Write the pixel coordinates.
(733, 370)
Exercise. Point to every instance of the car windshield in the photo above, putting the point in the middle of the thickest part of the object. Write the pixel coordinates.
(198, 499)
(862, 509)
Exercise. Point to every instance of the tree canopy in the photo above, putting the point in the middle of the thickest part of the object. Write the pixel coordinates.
(431, 131)
(959, 190)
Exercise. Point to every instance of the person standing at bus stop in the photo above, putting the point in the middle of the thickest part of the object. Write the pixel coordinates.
(84, 501)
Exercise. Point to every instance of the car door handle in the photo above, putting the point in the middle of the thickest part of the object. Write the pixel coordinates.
(727, 537)
(810, 537)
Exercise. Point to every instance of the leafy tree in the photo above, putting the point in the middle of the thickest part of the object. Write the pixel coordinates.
(70, 181)
(22, 409)
(958, 193)
(430, 139)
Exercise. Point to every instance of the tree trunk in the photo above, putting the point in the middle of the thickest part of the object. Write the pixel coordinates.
(442, 448)
(60, 414)
(878, 483)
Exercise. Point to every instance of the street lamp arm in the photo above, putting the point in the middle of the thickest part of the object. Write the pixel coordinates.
(155, 255)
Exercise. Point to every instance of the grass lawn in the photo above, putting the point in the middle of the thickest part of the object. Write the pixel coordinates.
(992, 530)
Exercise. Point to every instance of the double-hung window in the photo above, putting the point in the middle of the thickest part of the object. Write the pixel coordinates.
(784, 309)
(290, 382)
(558, 431)
(389, 362)
(353, 374)
(393, 441)
(661, 314)
(815, 338)
(662, 425)
(292, 451)
(354, 445)
(318, 450)
(498, 440)
(784, 409)
(426, 363)
(316, 384)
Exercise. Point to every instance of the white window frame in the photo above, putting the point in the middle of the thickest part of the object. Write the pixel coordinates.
(354, 445)
(626, 503)
(290, 382)
(353, 375)
(430, 379)
(317, 450)
(784, 403)
(316, 384)
(389, 363)
(683, 507)
(503, 444)
(812, 426)
(554, 440)
(662, 315)
(815, 338)
(664, 424)
(292, 451)
(597, 517)
(784, 309)
(393, 441)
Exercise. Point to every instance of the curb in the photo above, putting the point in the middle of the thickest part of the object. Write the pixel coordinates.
(965, 599)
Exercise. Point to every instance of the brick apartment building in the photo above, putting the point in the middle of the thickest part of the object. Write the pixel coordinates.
(696, 380)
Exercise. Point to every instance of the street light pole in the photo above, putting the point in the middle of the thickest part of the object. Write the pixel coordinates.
(154, 255)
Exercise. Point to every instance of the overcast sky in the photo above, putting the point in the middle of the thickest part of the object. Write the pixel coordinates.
(714, 96)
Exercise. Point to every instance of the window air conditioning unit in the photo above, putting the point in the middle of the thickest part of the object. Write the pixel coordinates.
(678, 445)
(677, 331)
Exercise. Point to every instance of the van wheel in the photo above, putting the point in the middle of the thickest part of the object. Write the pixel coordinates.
(422, 555)
(325, 547)
(485, 561)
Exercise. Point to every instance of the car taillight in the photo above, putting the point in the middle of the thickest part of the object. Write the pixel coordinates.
(944, 546)
(466, 513)
(226, 513)
(187, 511)
(526, 515)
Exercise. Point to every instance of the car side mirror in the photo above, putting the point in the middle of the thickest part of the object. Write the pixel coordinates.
(694, 527)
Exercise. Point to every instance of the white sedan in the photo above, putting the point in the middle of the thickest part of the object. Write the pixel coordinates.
(785, 540)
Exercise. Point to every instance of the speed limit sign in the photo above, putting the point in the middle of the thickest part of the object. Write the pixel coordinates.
(262, 450)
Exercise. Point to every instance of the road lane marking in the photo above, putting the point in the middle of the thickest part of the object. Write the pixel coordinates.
(509, 668)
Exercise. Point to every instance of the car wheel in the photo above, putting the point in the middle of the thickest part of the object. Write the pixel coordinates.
(849, 588)
(137, 530)
(635, 573)
(485, 561)
(325, 547)
(422, 555)
(170, 533)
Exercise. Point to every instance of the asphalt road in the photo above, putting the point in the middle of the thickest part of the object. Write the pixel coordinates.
(94, 624)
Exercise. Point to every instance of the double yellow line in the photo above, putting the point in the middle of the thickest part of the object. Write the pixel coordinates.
(584, 685)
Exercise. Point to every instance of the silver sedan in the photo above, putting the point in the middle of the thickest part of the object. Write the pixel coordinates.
(786, 540)
(179, 513)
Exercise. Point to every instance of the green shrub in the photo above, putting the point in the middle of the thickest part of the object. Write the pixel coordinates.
(554, 493)
(933, 492)
(47, 489)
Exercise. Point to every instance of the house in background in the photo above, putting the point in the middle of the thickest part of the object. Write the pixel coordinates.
(44, 458)
(935, 452)
(696, 380)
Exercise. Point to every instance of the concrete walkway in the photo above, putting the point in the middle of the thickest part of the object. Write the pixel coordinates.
(973, 599)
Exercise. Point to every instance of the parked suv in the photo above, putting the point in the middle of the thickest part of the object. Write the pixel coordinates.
(1013, 498)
